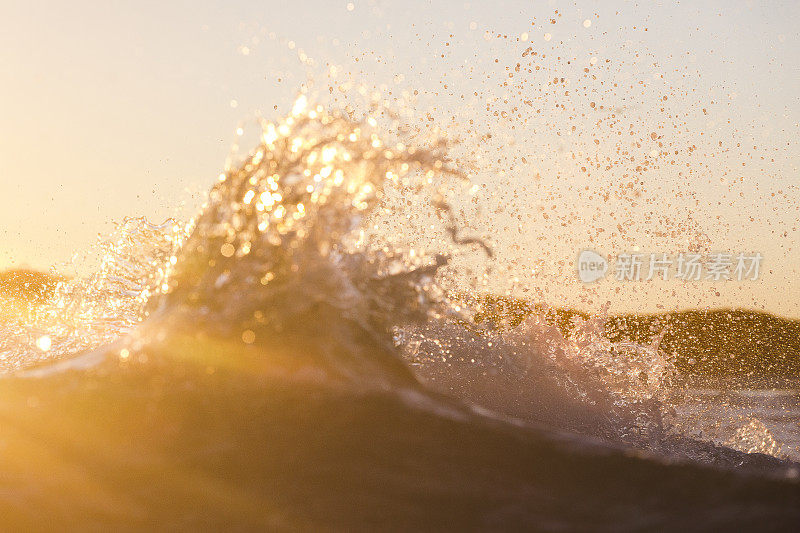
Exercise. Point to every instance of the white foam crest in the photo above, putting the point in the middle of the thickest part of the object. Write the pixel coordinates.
(86, 312)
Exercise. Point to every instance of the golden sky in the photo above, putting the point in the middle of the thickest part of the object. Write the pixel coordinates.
(115, 109)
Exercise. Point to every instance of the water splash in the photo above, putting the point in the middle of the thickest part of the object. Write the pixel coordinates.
(626, 371)
(755, 437)
(87, 312)
(291, 252)
(298, 227)
(582, 381)
(289, 230)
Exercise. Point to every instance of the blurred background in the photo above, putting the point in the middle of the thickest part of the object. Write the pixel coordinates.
(686, 115)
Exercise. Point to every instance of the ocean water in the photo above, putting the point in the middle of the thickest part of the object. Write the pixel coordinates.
(282, 361)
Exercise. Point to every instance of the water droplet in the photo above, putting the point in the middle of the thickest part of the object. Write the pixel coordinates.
(227, 250)
(44, 343)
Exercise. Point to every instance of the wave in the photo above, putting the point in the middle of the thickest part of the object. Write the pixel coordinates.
(281, 361)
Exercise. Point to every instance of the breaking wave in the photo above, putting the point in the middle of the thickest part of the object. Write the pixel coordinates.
(290, 283)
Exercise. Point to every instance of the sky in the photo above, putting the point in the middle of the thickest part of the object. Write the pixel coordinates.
(117, 109)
